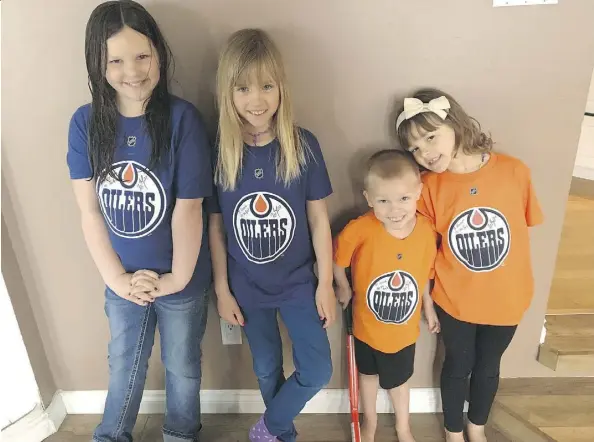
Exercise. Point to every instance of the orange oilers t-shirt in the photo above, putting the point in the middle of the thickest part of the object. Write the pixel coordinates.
(389, 278)
(483, 271)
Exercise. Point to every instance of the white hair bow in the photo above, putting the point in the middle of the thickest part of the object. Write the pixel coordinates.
(413, 106)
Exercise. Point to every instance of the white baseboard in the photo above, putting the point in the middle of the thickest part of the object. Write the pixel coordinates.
(584, 172)
(38, 424)
(333, 401)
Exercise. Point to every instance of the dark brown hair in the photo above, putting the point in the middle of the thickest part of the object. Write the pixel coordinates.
(388, 164)
(106, 20)
(469, 135)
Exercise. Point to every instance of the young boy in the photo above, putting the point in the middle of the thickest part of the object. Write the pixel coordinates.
(391, 252)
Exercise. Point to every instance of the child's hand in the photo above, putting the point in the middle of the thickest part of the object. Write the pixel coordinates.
(145, 285)
(122, 286)
(326, 304)
(431, 317)
(229, 309)
(344, 295)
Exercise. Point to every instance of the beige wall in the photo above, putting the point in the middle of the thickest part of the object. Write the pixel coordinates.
(522, 71)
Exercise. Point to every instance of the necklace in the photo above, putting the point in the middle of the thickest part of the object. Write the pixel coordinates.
(256, 135)
(480, 165)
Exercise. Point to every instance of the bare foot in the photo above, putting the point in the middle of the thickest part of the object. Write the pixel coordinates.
(454, 437)
(367, 433)
(476, 433)
(405, 435)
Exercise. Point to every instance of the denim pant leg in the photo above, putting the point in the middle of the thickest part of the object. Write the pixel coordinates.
(264, 339)
(132, 329)
(313, 367)
(182, 322)
(263, 335)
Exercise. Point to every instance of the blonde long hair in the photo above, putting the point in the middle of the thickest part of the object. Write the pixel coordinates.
(251, 51)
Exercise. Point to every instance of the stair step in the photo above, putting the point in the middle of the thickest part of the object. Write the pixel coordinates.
(552, 410)
(571, 345)
(513, 426)
(557, 386)
(568, 354)
(570, 325)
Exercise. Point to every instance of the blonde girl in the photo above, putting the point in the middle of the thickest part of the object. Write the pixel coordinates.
(268, 225)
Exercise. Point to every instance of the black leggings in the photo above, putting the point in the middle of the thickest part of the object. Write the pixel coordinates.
(470, 349)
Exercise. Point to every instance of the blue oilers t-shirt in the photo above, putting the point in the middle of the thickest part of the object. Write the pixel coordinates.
(270, 254)
(138, 207)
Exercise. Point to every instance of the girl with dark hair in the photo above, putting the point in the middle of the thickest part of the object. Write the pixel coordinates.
(140, 165)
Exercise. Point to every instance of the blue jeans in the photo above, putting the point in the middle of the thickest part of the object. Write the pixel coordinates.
(181, 322)
(285, 398)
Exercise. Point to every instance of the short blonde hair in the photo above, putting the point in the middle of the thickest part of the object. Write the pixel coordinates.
(248, 52)
(469, 135)
(388, 164)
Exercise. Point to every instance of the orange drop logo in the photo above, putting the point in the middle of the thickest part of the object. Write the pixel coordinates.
(396, 280)
(478, 219)
(261, 205)
(128, 175)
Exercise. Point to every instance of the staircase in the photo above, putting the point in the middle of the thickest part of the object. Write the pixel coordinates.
(569, 342)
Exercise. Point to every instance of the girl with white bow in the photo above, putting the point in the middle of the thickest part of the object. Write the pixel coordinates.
(481, 204)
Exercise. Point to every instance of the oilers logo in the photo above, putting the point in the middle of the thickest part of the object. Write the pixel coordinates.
(264, 226)
(480, 238)
(393, 297)
(135, 205)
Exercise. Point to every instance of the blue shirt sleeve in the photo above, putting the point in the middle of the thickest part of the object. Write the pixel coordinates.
(318, 181)
(193, 174)
(77, 156)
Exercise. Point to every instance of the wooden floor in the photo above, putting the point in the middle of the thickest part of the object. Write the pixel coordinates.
(234, 428)
(561, 408)
(572, 290)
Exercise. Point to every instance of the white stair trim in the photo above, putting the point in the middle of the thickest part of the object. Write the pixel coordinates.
(584, 172)
(38, 424)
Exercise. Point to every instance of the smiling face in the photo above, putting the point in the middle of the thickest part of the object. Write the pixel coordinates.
(132, 68)
(394, 200)
(432, 149)
(256, 99)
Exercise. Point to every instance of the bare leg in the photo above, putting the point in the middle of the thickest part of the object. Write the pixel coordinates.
(400, 397)
(454, 437)
(369, 386)
(476, 433)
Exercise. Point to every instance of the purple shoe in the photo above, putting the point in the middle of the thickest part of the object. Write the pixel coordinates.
(259, 433)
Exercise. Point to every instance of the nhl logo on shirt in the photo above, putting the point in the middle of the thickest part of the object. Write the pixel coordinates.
(135, 204)
(264, 225)
(131, 141)
(480, 238)
(393, 297)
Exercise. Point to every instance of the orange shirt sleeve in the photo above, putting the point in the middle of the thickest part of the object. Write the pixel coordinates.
(534, 215)
(347, 242)
(425, 203)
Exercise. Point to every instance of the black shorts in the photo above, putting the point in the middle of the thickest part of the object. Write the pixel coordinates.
(394, 369)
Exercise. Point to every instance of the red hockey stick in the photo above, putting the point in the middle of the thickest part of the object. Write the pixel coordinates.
(353, 376)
